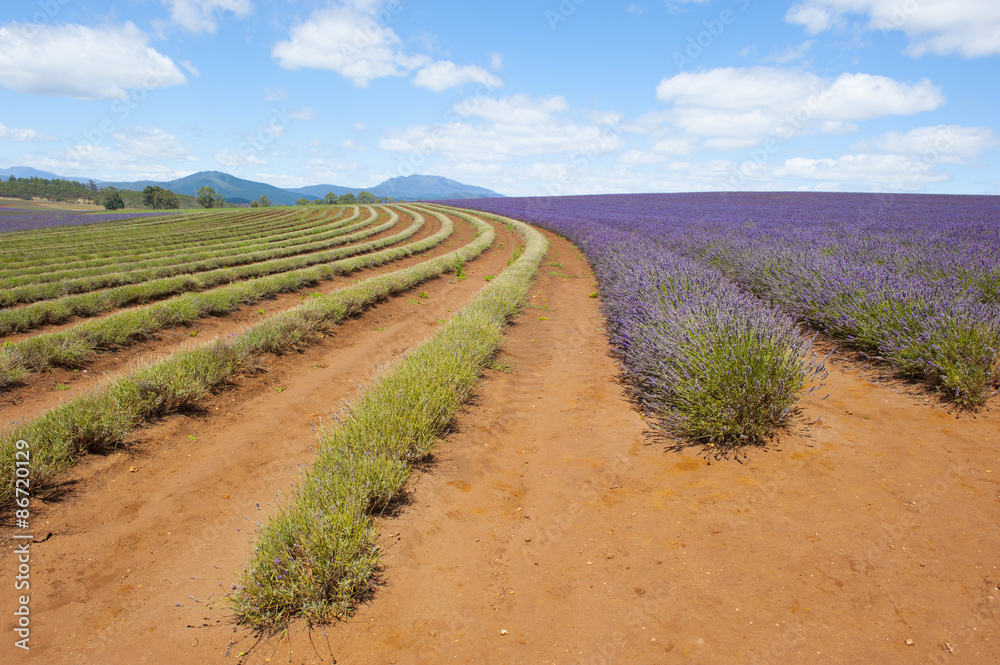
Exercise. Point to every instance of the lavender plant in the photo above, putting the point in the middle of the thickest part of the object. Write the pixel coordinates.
(911, 280)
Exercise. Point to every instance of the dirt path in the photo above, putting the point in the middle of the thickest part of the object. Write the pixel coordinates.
(550, 529)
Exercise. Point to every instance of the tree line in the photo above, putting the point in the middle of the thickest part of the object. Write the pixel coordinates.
(363, 198)
(153, 196)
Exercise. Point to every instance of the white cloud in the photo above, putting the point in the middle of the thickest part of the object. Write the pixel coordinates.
(191, 69)
(885, 170)
(489, 130)
(792, 53)
(496, 62)
(444, 74)
(736, 108)
(519, 109)
(276, 95)
(332, 172)
(350, 38)
(138, 153)
(500, 141)
(306, 113)
(81, 62)
(348, 144)
(201, 15)
(968, 27)
(151, 143)
(813, 16)
(948, 144)
(280, 180)
(233, 160)
(23, 135)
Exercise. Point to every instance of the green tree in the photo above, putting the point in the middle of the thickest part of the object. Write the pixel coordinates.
(330, 198)
(158, 198)
(112, 198)
(367, 198)
(209, 199)
(149, 195)
(302, 202)
(262, 202)
(346, 199)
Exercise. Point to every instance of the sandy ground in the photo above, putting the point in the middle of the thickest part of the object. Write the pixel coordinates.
(549, 527)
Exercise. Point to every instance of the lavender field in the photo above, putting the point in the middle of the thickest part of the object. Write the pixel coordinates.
(711, 298)
(27, 219)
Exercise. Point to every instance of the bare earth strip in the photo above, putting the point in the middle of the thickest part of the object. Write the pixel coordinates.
(549, 528)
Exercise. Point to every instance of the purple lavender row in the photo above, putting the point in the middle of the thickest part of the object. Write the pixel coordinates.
(913, 280)
(28, 222)
(705, 360)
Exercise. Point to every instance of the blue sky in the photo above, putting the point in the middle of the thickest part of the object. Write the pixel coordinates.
(526, 98)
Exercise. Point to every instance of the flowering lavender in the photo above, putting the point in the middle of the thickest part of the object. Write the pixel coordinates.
(24, 220)
(913, 280)
(705, 360)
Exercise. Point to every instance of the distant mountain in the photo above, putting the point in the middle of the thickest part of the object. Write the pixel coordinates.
(430, 187)
(319, 191)
(238, 190)
(28, 172)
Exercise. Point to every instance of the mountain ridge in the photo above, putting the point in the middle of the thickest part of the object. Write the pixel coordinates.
(239, 190)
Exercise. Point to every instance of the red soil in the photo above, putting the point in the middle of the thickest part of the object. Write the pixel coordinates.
(549, 527)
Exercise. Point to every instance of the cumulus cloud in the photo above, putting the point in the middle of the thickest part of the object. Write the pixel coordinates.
(202, 15)
(518, 109)
(137, 153)
(350, 41)
(235, 160)
(898, 171)
(307, 113)
(512, 127)
(968, 27)
(735, 108)
(353, 39)
(444, 74)
(947, 144)
(82, 62)
(23, 135)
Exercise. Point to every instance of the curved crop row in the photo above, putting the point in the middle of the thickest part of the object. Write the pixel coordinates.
(103, 231)
(126, 260)
(71, 347)
(912, 280)
(319, 553)
(88, 304)
(231, 226)
(933, 317)
(96, 278)
(103, 419)
(705, 360)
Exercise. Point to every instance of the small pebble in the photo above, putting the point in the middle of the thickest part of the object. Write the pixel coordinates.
(503, 632)
(909, 642)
